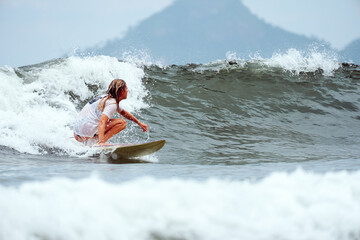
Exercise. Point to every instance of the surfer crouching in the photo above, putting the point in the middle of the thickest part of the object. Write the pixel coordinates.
(94, 121)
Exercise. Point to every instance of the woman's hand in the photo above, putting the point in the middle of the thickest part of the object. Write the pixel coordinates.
(144, 127)
(129, 116)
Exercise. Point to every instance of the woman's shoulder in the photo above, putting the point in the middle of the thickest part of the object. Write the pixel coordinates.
(110, 101)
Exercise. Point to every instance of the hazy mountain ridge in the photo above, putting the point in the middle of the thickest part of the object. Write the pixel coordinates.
(202, 31)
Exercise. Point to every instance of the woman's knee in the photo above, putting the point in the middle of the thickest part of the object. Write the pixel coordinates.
(121, 123)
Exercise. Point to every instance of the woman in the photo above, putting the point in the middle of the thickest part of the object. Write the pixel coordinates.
(94, 121)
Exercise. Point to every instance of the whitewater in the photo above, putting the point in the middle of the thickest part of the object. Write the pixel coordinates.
(256, 149)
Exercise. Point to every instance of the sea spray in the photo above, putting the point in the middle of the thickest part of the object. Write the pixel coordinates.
(296, 61)
(298, 205)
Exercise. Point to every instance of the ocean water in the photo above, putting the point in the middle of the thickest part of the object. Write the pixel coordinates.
(256, 149)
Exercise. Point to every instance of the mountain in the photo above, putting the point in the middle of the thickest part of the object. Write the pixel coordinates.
(200, 31)
(352, 52)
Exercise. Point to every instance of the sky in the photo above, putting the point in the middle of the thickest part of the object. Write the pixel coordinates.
(33, 31)
(335, 21)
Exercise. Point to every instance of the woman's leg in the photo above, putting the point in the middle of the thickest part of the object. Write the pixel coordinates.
(114, 126)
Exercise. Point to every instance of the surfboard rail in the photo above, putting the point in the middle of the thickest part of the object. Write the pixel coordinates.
(126, 151)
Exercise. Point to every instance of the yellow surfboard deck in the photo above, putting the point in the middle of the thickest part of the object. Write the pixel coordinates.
(126, 151)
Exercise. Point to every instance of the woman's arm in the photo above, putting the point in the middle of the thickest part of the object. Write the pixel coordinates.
(129, 116)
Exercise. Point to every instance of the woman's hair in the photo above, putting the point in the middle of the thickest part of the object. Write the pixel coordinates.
(114, 90)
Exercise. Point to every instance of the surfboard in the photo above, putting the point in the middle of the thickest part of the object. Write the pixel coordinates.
(128, 151)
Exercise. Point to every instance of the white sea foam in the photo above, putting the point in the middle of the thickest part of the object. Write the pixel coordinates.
(292, 60)
(298, 61)
(298, 205)
(36, 108)
(140, 58)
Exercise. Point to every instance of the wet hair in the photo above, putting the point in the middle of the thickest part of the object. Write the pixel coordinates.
(114, 90)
